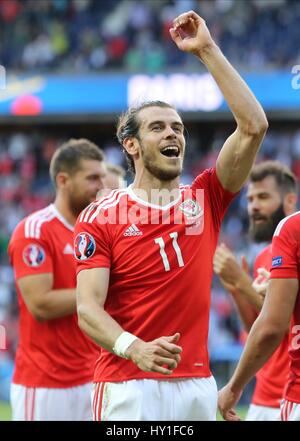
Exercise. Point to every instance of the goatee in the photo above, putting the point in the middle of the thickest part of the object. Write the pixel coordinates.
(263, 232)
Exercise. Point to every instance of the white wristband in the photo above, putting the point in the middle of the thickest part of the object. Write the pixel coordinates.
(122, 343)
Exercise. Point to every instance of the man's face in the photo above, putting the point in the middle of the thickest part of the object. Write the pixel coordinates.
(112, 181)
(84, 185)
(162, 142)
(265, 208)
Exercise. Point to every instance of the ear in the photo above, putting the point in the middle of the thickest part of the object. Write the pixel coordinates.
(62, 179)
(131, 145)
(289, 203)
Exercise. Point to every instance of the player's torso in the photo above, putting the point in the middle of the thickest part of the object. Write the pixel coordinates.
(152, 246)
(51, 353)
(60, 240)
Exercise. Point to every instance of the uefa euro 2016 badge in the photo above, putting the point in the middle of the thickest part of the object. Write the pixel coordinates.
(84, 246)
(191, 210)
(33, 255)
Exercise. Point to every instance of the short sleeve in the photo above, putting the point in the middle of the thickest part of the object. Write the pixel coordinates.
(219, 198)
(285, 251)
(30, 256)
(263, 260)
(92, 247)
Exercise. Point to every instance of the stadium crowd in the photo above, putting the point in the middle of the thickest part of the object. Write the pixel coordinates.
(93, 35)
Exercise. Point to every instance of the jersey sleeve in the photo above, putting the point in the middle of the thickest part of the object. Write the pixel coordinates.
(219, 198)
(30, 256)
(92, 247)
(285, 251)
(263, 260)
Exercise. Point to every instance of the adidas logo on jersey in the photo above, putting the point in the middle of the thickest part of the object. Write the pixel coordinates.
(132, 231)
(68, 249)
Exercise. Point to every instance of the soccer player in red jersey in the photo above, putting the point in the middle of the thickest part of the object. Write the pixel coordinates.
(145, 253)
(54, 360)
(280, 311)
(272, 195)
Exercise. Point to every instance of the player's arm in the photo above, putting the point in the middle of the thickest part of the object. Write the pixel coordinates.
(237, 155)
(238, 283)
(264, 337)
(161, 355)
(42, 300)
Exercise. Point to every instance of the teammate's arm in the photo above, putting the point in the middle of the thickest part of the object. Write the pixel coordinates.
(246, 310)
(238, 153)
(239, 284)
(264, 337)
(42, 300)
(161, 355)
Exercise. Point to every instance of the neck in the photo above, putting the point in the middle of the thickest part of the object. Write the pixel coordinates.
(154, 190)
(63, 208)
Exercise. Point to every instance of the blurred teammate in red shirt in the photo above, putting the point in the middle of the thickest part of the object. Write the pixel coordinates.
(280, 312)
(54, 360)
(272, 195)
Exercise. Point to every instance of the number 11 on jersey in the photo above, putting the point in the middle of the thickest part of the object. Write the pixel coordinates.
(161, 243)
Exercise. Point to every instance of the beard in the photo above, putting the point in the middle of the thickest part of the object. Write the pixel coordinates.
(156, 171)
(263, 232)
(78, 204)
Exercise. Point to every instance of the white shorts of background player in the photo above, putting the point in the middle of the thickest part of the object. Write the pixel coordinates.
(51, 404)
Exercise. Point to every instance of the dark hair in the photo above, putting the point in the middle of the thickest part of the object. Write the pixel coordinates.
(128, 126)
(67, 158)
(283, 176)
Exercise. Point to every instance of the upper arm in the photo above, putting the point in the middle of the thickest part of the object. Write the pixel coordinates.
(279, 304)
(236, 158)
(92, 287)
(33, 289)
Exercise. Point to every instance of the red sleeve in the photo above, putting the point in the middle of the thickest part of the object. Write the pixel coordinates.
(30, 256)
(91, 245)
(219, 198)
(263, 260)
(285, 246)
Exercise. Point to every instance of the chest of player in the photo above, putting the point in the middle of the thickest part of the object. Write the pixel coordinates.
(161, 242)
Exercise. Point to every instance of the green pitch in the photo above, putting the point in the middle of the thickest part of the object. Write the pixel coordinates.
(5, 411)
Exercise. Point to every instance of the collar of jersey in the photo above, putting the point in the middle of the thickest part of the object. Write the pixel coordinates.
(61, 218)
(147, 204)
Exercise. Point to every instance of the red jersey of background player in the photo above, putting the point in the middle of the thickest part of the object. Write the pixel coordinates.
(272, 377)
(160, 272)
(53, 353)
(286, 265)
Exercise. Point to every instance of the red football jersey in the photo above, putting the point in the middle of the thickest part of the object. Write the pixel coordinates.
(53, 353)
(272, 377)
(286, 265)
(160, 261)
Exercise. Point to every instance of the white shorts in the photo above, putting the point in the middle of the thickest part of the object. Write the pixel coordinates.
(289, 411)
(51, 404)
(262, 413)
(188, 399)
